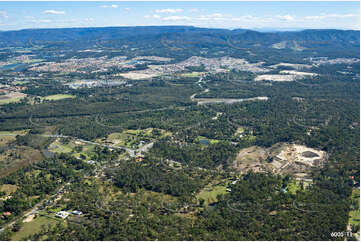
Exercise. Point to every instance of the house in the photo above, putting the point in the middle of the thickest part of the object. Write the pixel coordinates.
(7, 214)
(91, 162)
(228, 190)
(76, 212)
(62, 214)
(139, 158)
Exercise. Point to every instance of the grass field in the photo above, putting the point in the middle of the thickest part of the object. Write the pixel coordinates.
(12, 160)
(58, 97)
(8, 188)
(211, 141)
(33, 227)
(293, 187)
(59, 147)
(209, 194)
(20, 82)
(131, 138)
(13, 99)
(16, 132)
(191, 74)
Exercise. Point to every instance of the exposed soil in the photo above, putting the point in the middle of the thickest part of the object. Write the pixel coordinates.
(281, 158)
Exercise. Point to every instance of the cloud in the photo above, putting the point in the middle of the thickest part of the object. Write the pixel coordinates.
(54, 12)
(169, 10)
(109, 6)
(41, 21)
(176, 18)
(287, 17)
(209, 17)
(194, 10)
(152, 16)
(127, 9)
(324, 16)
(245, 18)
(4, 14)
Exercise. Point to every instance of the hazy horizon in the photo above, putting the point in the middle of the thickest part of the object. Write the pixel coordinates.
(228, 15)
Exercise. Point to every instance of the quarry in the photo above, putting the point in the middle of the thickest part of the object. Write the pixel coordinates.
(281, 158)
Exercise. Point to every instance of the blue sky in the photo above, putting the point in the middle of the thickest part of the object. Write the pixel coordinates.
(250, 15)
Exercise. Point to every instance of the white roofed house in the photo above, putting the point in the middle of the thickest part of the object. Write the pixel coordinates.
(62, 214)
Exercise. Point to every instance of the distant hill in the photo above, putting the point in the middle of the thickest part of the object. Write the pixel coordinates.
(238, 37)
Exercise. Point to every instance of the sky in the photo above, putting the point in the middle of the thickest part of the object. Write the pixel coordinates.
(247, 15)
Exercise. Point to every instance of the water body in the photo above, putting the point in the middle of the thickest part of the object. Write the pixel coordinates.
(204, 141)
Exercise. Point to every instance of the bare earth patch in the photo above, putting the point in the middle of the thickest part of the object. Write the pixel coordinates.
(281, 158)
(276, 78)
(137, 75)
(29, 218)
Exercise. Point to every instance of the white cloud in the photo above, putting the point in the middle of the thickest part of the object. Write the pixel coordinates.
(287, 17)
(152, 16)
(54, 12)
(210, 17)
(169, 10)
(4, 14)
(41, 21)
(194, 10)
(176, 18)
(127, 9)
(109, 6)
(324, 16)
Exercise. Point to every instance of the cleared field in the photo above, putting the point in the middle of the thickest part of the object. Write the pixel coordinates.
(14, 159)
(202, 101)
(295, 66)
(276, 78)
(209, 194)
(75, 147)
(58, 97)
(33, 227)
(59, 147)
(137, 76)
(132, 138)
(192, 74)
(205, 140)
(293, 187)
(20, 82)
(8, 188)
(16, 132)
(11, 97)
